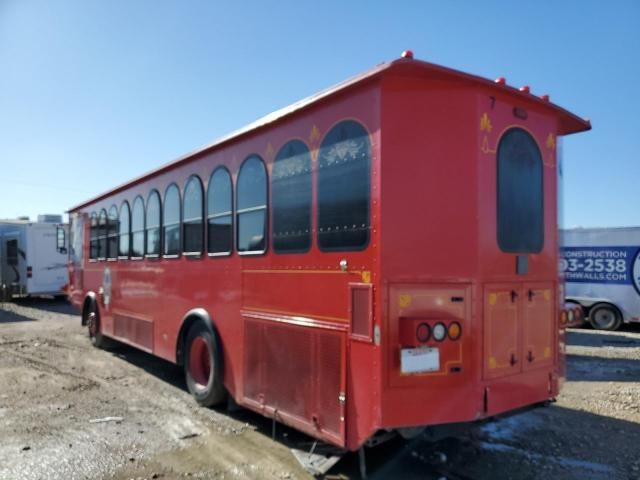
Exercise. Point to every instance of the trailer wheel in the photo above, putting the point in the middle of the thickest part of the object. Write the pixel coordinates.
(605, 317)
(203, 366)
(92, 321)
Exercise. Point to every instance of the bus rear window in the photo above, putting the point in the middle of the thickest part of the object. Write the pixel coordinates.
(520, 194)
(344, 179)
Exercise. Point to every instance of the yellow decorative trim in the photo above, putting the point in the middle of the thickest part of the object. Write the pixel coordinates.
(485, 123)
(547, 352)
(366, 277)
(493, 298)
(404, 300)
(551, 141)
(295, 314)
(269, 150)
(492, 363)
(336, 272)
(314, 135)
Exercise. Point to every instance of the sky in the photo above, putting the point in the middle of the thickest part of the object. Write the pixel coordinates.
(94, 93)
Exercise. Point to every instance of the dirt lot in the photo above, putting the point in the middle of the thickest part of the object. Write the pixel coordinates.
(69, 411)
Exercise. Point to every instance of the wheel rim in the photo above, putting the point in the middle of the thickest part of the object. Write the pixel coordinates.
(200, 363)
(92, 324)
(604, 318)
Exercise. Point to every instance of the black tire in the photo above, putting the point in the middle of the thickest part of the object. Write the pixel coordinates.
(605, 317)
(94, 328)
(203, 368)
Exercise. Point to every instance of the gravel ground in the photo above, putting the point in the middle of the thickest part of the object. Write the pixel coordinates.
(69, 411)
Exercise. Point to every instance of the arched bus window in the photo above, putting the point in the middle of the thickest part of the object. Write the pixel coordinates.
(251, 207)
(171, 221)
(153, 224)
(112, 233)
(520, 193)
(344, 183)
(193, 216)
(102, 234)
(93, 236)
(137, 228)
(124, 232)
(219, 213)
(291, 198)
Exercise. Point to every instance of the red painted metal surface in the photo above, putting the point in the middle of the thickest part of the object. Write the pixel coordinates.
(316, 342)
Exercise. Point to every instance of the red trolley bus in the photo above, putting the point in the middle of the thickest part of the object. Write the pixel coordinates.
(381, 255)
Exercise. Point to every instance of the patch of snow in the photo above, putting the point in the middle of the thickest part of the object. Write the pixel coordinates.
(513, 426)
(565, 461)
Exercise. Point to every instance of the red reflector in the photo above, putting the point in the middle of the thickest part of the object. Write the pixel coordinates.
(423, 332)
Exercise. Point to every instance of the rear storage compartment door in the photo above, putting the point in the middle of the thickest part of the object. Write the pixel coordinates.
(501, 330)
(538, 323)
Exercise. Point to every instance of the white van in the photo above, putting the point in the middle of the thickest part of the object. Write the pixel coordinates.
(33, 257)
(601, 269)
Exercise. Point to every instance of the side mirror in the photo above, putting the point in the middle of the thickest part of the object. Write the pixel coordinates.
(61, 240)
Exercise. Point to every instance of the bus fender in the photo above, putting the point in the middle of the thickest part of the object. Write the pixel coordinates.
(89, 299)
(191, 317)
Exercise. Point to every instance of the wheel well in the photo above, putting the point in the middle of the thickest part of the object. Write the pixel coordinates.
(190, 318)
(88, 300)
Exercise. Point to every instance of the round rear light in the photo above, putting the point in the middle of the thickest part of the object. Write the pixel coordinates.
(423, 332)
(439, 332)
(570, 316)
(578, 312)
(455, 330)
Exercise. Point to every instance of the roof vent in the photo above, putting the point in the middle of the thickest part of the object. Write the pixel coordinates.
(407, 54)
(50, 218)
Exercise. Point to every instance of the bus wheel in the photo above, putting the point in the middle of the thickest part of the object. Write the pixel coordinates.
(605, 317)
(98, 340)
(202, 366)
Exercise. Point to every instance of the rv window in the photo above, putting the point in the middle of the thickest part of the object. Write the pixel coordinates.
(12, 253)
(171, 221)
(291, 198)
(344, 169)
(61, 240)
(520, 208)
(192, 215)
(112, 233)
(219, 213)
(153, 224)
(252, 206)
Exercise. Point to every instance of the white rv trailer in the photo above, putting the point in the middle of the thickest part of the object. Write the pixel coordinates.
(33, 256)
(601, 269)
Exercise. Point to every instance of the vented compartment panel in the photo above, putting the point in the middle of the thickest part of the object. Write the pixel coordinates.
(296, 371)
(135, 330)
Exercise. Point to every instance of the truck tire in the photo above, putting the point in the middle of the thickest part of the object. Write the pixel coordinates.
(604, 316)
(203, 365)
(94, 328)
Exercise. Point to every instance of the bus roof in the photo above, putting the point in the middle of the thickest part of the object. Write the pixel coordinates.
(568, 122)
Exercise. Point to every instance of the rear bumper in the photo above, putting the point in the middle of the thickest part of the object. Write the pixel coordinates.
(466, 402)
